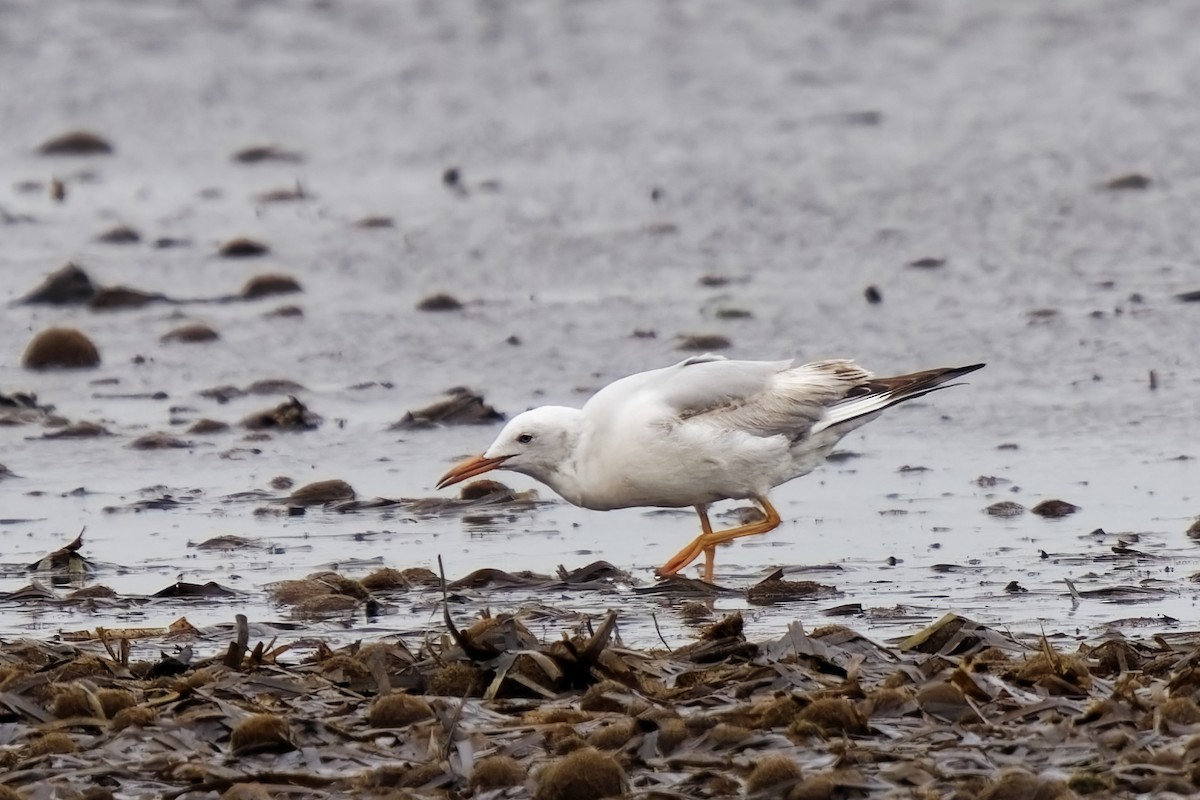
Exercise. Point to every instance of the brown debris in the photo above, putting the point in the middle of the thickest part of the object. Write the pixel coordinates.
(440, 302)
(703, 341)
(834, 715)
(774, 589)
(191, 334)
(385, 579)
(587, 717)
(67, 286)
(770, 772)
(1017, 784)
(114, 298)
(65, 348)
(289, 416)
(205, 426)
(76, 143)
(261, 733)
(269, 285)
(243, 248)
(259, 153)
(1054, 509)
(321, 492)
(585, 774)
(461, 406)
(497, 772)
(1005, 508)
(120, 234)
(158, 441)
(1134, 180)
(397, 710)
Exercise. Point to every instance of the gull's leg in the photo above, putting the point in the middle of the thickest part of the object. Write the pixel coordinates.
(707, 542)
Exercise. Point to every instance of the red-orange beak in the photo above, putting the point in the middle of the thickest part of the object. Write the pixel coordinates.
(476, 465)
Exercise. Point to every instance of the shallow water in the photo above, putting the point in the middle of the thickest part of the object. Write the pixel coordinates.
(802, 152)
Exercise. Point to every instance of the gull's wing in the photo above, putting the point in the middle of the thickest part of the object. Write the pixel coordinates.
(762, 398)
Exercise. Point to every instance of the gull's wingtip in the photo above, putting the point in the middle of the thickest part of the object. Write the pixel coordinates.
(967, 370)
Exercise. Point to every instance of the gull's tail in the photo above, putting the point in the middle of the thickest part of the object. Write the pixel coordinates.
(874, 395)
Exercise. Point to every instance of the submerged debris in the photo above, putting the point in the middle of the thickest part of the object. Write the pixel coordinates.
(440, 302)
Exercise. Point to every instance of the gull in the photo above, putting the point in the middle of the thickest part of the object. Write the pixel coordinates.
(697, 432)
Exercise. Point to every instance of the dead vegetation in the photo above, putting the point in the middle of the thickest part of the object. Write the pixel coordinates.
(956, 710)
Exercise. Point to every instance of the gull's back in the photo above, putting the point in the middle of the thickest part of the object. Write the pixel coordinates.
(704, 429)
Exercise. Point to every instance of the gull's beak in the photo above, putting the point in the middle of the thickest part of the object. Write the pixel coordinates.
(476, 465)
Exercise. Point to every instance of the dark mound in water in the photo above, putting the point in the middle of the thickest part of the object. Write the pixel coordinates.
(67, 286)
(66, 348)
(76, 143)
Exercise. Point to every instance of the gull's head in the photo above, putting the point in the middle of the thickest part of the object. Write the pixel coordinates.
(537, 443)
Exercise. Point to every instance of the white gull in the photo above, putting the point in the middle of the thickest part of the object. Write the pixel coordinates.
(702, 430)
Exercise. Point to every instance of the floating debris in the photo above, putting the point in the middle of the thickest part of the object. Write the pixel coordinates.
(320, 493)
(774, 589)
(289, 416)
(269, 285)
(65, 560)
(121, 234)
(703, 342)
(260, 153)
(194, 333)
(83, 429)
(66, 348)
(243, 248)
(1005, 508)
(440, 302)
(873, 295)
(461, 406)
(76, 143)
(1134, 180)
(113, 298)
(928, 262)
(69, 285)
(1054, 509)
(290, 195)
(159, 441)
(205, 426)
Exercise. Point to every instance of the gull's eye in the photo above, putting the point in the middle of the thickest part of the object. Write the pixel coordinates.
(525, 438)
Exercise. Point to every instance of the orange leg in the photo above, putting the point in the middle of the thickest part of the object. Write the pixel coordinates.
(707, 541)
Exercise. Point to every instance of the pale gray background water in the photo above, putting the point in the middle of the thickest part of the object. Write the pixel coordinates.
(804, 150)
